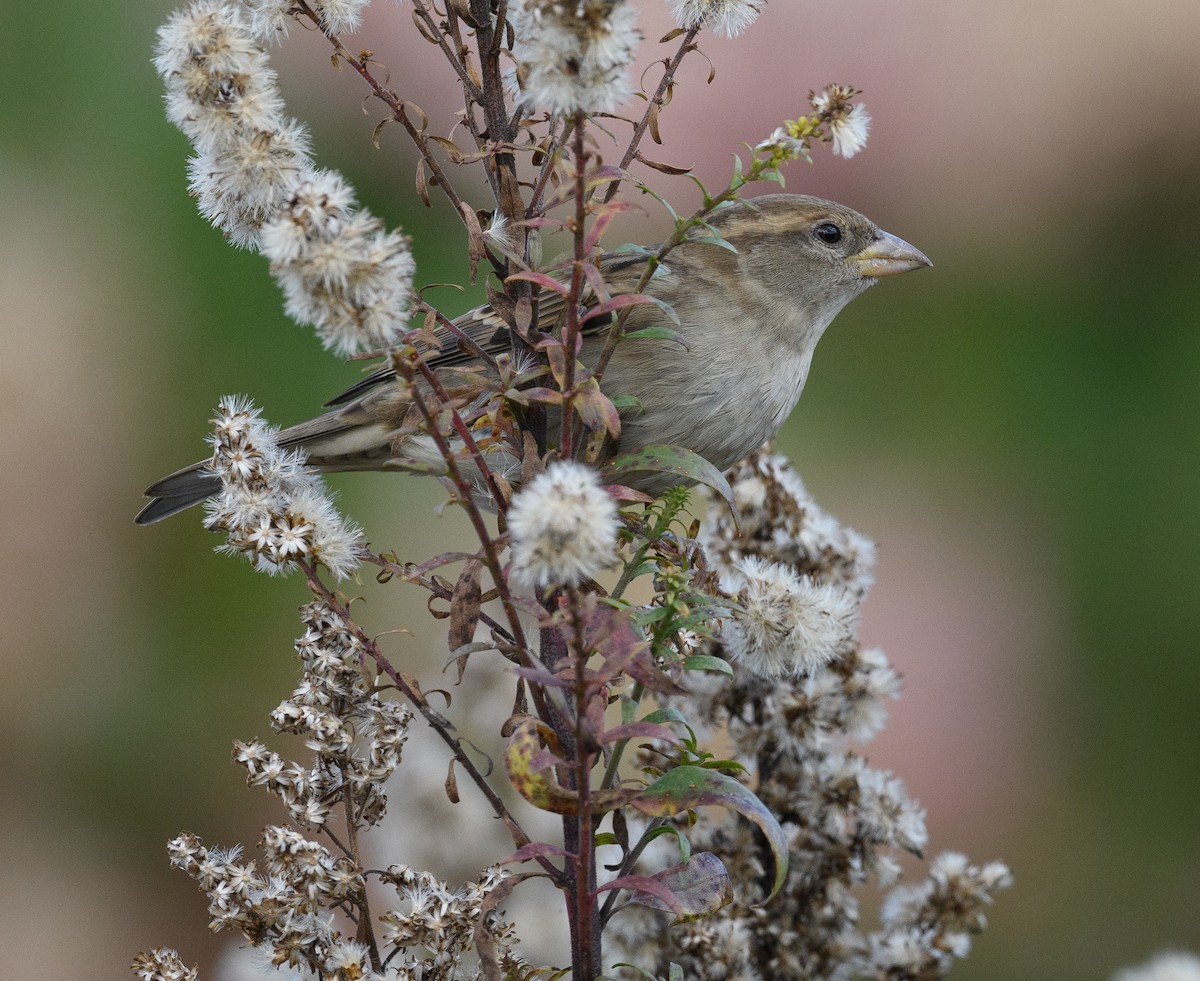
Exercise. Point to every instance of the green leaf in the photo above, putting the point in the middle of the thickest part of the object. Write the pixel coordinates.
(686, 787)
(685, 846)
(665, 458)
(707, 662)
(645, 189)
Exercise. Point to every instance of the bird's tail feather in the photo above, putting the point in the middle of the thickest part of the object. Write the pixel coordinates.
(348, 438)
(176, 493)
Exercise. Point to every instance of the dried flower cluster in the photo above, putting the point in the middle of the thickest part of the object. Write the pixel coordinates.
(848, 122)
(792, 727)
(334, 708)
(273, 510)
(283, 902)
(254, 178)
(575, 54)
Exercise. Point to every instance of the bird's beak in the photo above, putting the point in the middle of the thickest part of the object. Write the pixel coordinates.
(889, 255)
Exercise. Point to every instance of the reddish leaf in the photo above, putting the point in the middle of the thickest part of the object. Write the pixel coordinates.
(620, 492)
(645, 670)
(648, 886)
(600, 225)
(595, 409)
(542, 280)
(535, 849)
(464, 605)
(663, 168)
(699, 887)
(686, 787)
(643, 729)
(557, 356)
(524, 396)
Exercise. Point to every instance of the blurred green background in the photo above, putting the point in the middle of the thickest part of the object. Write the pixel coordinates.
(1017, 428)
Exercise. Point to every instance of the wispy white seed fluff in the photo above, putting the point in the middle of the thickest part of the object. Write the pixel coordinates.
(726, 18)
(574, 55)
(268, 20)
(340, 16)
(848, 122)
(1168, 966)
(240, 184)
(253, 177)
(780, 522)
(339, 268)
(788, 624)
(273, 510)
(222, 93)
(848, 133)
(564, 527)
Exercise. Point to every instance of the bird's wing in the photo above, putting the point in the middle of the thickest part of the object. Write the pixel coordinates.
(486, 328)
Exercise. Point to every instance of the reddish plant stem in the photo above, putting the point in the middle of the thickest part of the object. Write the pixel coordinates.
(464, 433)
(548, 166)
(572, 327)
(579, 836)
(491, 557)
(366, 925)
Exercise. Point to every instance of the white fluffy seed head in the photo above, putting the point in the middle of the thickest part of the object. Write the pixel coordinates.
(788, 624)
(725, 18)
(564, 527)
(574, 55)
(273, 510)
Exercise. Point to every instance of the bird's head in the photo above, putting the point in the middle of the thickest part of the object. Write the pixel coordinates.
(813, 255)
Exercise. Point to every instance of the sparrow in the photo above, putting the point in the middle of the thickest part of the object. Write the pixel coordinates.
(750, 312)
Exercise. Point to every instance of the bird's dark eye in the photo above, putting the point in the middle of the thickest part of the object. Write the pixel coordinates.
(828, 233)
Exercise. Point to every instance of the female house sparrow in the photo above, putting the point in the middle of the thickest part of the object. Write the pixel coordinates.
(750, 320)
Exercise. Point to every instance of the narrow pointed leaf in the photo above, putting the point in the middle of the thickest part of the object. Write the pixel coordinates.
(699, 887)
(665, 458)
(686, 787)
(707, 662)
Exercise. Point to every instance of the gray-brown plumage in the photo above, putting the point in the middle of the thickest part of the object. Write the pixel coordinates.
(750, 319)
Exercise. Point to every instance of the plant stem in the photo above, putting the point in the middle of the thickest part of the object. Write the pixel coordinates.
(655, 103)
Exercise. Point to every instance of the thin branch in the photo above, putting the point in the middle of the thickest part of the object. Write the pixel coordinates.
(438, 590)
(393, 102)
(656, 102)
(573, 326)
(470, 88)
(366, 929)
